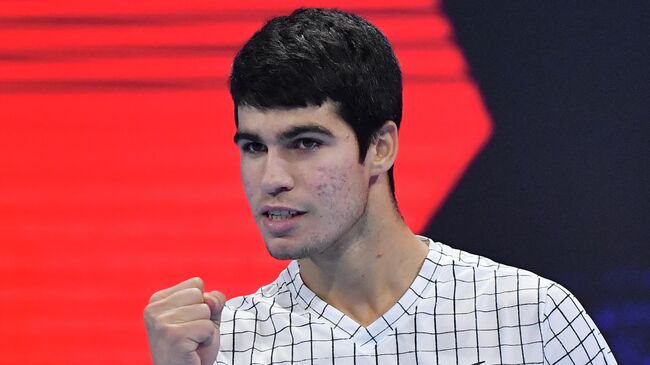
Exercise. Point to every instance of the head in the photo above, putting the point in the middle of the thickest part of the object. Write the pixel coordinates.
(333, 65)
(314, 55)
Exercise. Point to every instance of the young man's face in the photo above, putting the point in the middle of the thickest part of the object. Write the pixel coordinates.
(302, 177)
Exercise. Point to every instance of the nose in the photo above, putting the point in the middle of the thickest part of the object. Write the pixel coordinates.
(277, 176)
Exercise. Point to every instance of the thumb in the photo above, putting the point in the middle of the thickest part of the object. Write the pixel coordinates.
(216, 301)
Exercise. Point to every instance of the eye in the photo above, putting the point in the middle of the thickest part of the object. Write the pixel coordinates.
(253, 147)
(307, 144)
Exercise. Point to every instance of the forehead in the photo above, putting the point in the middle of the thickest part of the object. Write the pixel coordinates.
(268, 122)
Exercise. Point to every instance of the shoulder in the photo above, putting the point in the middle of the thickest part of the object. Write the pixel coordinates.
(487, 276)
(569, 332)
(565, 330)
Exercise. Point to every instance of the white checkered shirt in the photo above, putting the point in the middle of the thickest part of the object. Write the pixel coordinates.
(461, 309)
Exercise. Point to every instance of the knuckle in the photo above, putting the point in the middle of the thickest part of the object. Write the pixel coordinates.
(204, 310)
(155, 297)
(221, 296)
(168, 331)
(148, 316)
(158, 324)
(158, 295)
(158, 328)
(151, 315)
(197, 281)
(196, 293)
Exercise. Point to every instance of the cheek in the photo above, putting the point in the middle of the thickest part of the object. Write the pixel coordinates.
(248, 189)
(330, 188)
(337, 188)
(247, 179)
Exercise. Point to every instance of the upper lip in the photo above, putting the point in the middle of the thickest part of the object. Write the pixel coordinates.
(265, 209)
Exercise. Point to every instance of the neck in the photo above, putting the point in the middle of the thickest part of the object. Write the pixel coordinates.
(366, 273)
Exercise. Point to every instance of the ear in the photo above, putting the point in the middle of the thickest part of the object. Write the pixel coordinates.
(382, 151)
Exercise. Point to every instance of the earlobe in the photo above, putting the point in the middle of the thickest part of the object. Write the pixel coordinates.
(384, 146)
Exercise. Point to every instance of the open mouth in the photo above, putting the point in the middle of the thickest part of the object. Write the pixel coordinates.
(280, 215)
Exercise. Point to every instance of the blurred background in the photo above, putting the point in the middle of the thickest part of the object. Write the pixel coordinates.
(525, 139)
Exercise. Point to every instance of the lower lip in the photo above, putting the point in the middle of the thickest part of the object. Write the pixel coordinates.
(281, 227)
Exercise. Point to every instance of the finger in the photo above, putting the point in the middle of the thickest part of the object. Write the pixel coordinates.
(187, 313)
(216, 301)
(195, 282)
(181, 298)
(197, 332)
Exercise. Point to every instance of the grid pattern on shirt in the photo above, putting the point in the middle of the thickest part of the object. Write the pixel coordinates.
(461, 309)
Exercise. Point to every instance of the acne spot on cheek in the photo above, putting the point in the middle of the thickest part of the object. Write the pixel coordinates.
(321, 189)
(327, 190)
(334, 183)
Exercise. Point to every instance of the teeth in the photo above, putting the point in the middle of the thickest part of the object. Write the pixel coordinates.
(280, 214)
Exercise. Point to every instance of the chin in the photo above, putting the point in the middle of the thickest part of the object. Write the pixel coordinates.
(285, 249)
(284, 255)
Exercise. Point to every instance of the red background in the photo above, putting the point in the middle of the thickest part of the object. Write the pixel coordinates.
(118, 176)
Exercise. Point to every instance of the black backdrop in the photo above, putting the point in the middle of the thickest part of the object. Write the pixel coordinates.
(562, 187)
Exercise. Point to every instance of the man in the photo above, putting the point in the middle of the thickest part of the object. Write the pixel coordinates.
(318, 103)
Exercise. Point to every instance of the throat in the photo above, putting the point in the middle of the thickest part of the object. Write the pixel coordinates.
(366, 312)
(367, 286)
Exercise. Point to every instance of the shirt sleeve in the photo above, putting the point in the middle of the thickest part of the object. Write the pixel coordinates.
(570, 336)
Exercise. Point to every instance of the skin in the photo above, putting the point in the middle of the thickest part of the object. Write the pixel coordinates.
(314, 172)
(355, 251)
(182, 324)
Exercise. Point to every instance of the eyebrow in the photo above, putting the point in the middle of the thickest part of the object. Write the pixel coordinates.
(290, 133)
(247, 136)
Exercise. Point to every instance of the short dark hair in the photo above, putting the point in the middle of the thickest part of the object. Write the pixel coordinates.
(314, 55)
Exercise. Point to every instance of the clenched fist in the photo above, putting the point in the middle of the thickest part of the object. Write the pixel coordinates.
(183, 324)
